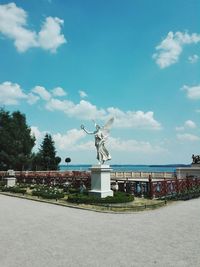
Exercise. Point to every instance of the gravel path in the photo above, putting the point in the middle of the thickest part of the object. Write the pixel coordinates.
(34, 234)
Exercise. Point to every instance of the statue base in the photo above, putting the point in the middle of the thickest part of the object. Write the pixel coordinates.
(10, 181)
(100, 181)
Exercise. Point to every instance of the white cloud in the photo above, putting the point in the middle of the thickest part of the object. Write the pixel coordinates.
(82, 94)
(32, 99)
(169, 50)
(133, 119)
(87, 146)
(39, 135)
(11, 93)
(13, 24)
(36, 132)
(58, 91)
(87, 111)
(193, 59)
(50, 37)
(56, 104)
(193, 92)
(131, 145)
(187, 137)
(73, 140)
(42, 92)
(69, 140)
(83, 110)
(190, 124)
(179, 128)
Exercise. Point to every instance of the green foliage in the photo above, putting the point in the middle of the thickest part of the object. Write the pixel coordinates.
(2, 185)
(15, 189)
(48, 193)
(16, 141)
(46, 158)
(184, 195)
(119, 197)
(72, 190)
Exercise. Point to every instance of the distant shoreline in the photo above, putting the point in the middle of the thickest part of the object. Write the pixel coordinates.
(127, 167)
(139, 165)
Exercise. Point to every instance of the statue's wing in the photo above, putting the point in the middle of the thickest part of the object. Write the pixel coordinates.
(106, 128)
(94, 123)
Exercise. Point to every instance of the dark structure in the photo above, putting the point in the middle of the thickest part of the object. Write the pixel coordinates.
(195, 159)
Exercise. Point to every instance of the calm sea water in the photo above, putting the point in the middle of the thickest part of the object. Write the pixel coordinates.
(134, 168)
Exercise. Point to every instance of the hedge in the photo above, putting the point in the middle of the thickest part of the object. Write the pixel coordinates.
(14, 189)
(119, 197)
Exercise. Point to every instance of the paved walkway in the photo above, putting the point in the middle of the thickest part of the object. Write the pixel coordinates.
(34, 234)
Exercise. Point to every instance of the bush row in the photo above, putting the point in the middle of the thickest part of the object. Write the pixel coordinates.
(184, 195)
(15, 189)
(119, 197)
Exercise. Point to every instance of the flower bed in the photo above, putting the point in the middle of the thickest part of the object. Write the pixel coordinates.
(48, 193)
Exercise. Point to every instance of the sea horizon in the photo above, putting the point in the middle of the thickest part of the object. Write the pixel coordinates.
(127, 167)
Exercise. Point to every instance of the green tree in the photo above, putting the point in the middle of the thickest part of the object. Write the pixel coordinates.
(16, 141)
(46, 158)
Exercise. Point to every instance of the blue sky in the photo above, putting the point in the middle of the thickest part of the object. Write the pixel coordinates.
(66, 63)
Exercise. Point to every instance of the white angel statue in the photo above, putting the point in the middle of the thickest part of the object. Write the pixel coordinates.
(101, 135)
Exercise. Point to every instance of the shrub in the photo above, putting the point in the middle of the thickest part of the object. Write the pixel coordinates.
(73, 190)
(1, 188)
(15, 189)
(31, 186)
(18, 190)
(48, 193)
(5, 189)
(119, 197)
(184, 195)
(2, 183)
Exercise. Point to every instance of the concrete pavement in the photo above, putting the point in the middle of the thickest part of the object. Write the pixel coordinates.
(34, 234)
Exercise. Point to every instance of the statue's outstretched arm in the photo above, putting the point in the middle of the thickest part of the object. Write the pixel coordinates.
(83, 128)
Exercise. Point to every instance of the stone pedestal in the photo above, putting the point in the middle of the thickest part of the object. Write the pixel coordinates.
(100, 181)
(10, 181)
(183, 172)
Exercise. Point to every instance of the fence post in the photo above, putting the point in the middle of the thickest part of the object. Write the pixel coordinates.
(196, 183)
(165, 187)
(177, 185)
(187, 183)
(150, 187)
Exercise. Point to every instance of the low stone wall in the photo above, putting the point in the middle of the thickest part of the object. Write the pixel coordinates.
(141, 175)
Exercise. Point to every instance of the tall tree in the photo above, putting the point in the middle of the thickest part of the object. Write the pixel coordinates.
(16, 141)
(46, 158)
